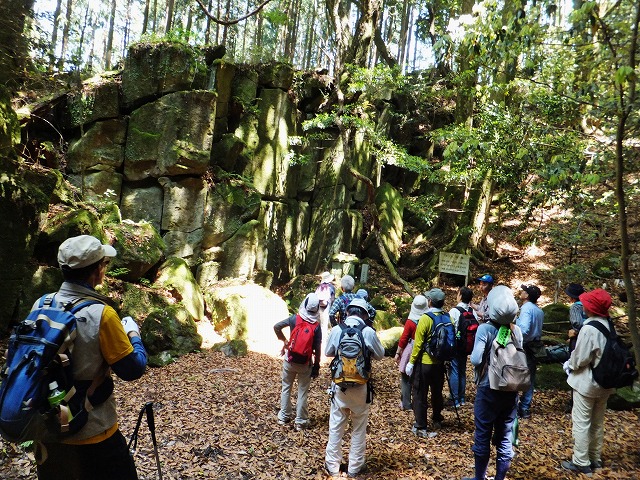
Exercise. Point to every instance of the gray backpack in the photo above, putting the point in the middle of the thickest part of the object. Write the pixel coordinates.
(508, 370)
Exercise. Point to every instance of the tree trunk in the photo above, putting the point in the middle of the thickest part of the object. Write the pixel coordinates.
(145, 16)
(109, 47)
(169, 24)
(65, 35)
(627, 103)
(54, 35)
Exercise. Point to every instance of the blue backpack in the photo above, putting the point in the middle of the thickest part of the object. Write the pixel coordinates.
(442, 341)
(39, 352)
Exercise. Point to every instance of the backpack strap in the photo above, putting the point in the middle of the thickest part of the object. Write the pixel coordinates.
(602, 329)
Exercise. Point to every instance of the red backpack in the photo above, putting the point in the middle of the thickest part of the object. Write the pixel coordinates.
(301, 341)
(466, 333)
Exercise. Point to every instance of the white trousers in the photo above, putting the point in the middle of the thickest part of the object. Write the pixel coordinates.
(587, 416)
(350, 403)
(289, 373)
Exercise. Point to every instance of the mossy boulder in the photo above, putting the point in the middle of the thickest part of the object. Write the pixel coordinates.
(626, 398)
(101, 148)
(246, 311)
(171, 136)
(556, 318)
(175, 275)
(240, 252)
(276, 75)
(39, 280)
(390, 210)
(389, 339)
(169, 333)
(137, 300)
(154, 69)
(139, 248)
(9, 125)
(68, 222)
(98, 99)
(232, 348)
(385, 320)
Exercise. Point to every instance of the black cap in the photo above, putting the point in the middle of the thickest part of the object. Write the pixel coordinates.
(533, 292)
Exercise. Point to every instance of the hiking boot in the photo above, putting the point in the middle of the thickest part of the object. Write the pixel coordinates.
(330, 473)
(437, 425)
(283, 422)
(569, 465)
(420, 432)
(596, 464)
(524, 414)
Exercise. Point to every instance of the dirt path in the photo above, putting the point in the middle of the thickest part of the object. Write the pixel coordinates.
(216, 418)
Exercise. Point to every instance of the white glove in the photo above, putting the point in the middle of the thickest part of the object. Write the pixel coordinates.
(130, 325)
(566, 368)
(408, 369)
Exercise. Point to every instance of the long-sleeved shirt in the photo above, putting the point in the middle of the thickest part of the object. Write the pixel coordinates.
(291, 323)
(423, 334)
(588, 352)
(371, 340)
(408, 333)
(530, 321)
(340, 306)
(576, 315)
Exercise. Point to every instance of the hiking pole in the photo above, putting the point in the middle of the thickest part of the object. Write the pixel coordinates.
(455, 407)
(148, 409)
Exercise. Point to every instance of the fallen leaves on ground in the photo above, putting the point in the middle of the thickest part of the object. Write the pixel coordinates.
(216, 418)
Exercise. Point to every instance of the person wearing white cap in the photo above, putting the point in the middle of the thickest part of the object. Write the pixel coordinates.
(296, 365)
(104, 343)
(405, 345)
(494, 410)
(350, 402)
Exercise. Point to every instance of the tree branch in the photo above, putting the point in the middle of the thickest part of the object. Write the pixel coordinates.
(230, 22)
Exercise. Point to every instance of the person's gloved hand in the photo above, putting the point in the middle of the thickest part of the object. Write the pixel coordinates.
(409, 369)
(315, 371)
(130, 325)
(566, 368)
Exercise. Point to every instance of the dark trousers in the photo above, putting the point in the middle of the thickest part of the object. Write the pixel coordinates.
(107, 460)
(425, 378)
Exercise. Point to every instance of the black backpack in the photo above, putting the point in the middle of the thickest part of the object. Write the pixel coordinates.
(466, 332)
(442, 341)
(617, 366)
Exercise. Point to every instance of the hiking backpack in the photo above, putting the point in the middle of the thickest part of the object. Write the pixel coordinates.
(352, 363)
(301, 341)
(442, 341)
(617, 366)
(507, 362)
(39, 352)
(466, 332)
(324, 292)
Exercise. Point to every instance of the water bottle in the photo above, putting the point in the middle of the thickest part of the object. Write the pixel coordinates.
(55, 395)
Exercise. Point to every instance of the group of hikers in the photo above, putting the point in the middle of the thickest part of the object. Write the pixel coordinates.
(434, 348)
(86, 443)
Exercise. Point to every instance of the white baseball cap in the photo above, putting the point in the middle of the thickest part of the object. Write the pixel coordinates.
(82, 251)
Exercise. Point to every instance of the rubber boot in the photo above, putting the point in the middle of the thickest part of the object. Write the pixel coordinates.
(502, 467)
(481, 467)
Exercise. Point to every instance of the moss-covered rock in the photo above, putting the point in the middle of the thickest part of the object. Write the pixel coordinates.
(232, 348)
(390, 209)
(98, 99)
(153, 69)
(240, 252)
(276, 75)
(230, 204)
(137, 300)
(9, 125)
(385, 320)
(68, 222)
(171, 331)
(171, 136)
(556, 318)
(626, 398)
(175, 275)
(389, 339)
(139, 248)
(101, 148)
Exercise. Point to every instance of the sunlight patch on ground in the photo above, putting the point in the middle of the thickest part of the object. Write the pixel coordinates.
(209, 336)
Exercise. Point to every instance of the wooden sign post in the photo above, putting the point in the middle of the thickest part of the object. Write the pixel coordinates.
(455, 264)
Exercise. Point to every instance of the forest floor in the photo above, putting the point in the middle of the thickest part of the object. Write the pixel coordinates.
(216, 416)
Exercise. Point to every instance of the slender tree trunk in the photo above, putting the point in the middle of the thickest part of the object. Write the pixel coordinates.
(145, 16)
(65, 35)
(207, 30)
(54, 35)
(404, 28)
(77, 60)
(189, 23)
(169, 24)
(310, 36)
(109, 47)
(626, 105)
(154, 17)
(127, 30)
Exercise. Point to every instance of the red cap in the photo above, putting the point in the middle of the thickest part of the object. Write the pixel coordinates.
(597, 302)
